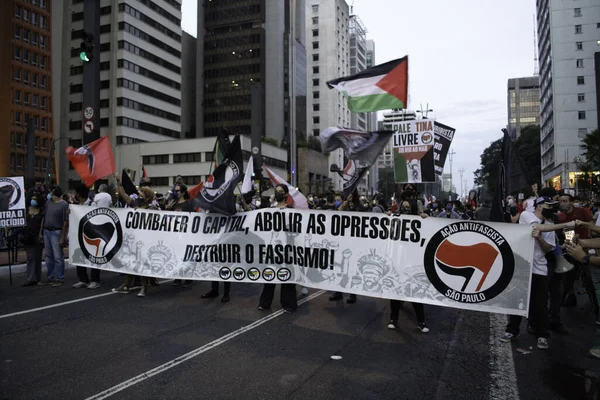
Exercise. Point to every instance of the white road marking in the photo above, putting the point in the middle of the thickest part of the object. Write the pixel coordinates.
(63, 303)
(203, 349)
(502, 364)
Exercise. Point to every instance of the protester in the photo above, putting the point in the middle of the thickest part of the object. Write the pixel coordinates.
(103, 198)
(483, 212)
(407, 207)
(449, 211)
(181, 201)
(568, 212)
(289, 301)
(55, 223)
(538, 296)
(32, 241)
(351, 204)
(82, 194)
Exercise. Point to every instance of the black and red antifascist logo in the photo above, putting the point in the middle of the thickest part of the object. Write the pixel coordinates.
(469, 262)
(100, 235)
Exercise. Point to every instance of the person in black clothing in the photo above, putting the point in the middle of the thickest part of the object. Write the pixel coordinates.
(82, 198)
(31, 240)
(407, 206)
(289, 301)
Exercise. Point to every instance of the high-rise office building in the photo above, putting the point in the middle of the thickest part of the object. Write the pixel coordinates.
(26, 34)
(189, 75)
(327, 31)
(373, 177)
(240, 45)
(568, 39)
(140, 74)
(358, 62)
(523, 104)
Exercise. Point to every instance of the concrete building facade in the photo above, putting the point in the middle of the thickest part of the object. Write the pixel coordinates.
(568, 40)
(140, 63)
(523, 103)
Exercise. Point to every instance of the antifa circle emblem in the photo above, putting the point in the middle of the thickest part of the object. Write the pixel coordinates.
(10, 194)
(86, 152)
(469, 264)
(100, 235)
(220, 180)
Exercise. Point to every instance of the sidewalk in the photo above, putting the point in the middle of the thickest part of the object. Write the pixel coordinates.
(21, 257)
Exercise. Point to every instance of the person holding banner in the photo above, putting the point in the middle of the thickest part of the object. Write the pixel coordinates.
(31, 240)
(407, 207)
(289, 301)
(538, 296)
(82, 194)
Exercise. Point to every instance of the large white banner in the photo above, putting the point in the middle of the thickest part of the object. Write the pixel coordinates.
(12, 202)
(451, 263)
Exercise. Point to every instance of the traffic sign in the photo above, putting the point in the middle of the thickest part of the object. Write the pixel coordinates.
(88, 113)
(255, 150)
(88, 127)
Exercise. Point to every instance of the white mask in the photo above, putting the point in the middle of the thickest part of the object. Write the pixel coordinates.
(576, 204)
(257, 204)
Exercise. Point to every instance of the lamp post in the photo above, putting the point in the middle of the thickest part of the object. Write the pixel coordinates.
(49, 162)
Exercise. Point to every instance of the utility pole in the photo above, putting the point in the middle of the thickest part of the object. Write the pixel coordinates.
(451, 154)
(461, 171)
(90, 56)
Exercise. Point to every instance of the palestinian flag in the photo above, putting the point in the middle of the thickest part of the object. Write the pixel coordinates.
(381, 87)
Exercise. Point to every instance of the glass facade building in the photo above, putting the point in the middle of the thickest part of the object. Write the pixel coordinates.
(523, 104)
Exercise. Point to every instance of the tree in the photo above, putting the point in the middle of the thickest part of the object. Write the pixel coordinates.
(490, 160)
(591, 150)
(387, 183)
(527, 147)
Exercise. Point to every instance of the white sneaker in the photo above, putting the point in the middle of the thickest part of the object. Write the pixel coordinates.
(79, 285)
(392, 324)
(93, 285)
(423, 327)
(304, 291)
(542, 343)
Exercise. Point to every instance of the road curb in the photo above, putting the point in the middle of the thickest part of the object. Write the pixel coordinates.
(22, 268)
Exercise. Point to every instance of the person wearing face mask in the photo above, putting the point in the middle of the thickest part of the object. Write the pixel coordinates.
(82, 197)
(289, 301)
(449, 212)
(407, 208)
(330, 205)
(349, 205)
(538, 301)
(31, 241)
(181, 201)
(568, 213)
(55, 226)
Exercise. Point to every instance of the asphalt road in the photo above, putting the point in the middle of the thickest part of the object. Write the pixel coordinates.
(174, 345)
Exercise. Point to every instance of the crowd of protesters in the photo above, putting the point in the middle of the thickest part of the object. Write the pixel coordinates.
(548, 211)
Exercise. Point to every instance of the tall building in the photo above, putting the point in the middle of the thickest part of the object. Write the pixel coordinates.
(373, 177)
(189, 74)
(568, 39)
(523, 104)
(358, 62)
(140, 63)
(26, 34)
(239, 45)
(327, 30)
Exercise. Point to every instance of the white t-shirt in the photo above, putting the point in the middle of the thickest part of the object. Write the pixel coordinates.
(540, 265)
(598, 220)
(529, 205)
(103, 200)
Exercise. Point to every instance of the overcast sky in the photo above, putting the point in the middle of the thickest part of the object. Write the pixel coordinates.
(461, 54)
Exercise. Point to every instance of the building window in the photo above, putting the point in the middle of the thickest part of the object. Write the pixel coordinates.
(315, 95)
(579, 45)
(42, 41)
(209, 156)
(581, 97)
(43, 82)
(315, 20)
(316, 120)
(17, 53)
(43, 62)
(315, 45)
(17, 74)
(25, 14)
(579, 63)
(315, 82)
(26, 56)
(34, 80)
(160, 181)
(34, 101)
(17, 97)
(581, 115)
(315, 32)
(156, 159)
(187, 158)
(26, 77)
(43, 102)
(18, 118)
(34, 18)
(17, 32)
(316, 107)
(18, 12)
(577, 12)
(581, 80)
(316, 132)
(315, 70)
(578, 29)
(315, 8)
(26, 98)
(315, 57)
(581, 132)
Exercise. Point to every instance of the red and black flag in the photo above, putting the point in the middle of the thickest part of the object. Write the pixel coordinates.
(352, 175)
(98, 236)
(93, 161)
(217, 194)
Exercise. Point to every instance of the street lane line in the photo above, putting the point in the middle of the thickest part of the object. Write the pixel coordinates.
(183, 358)
(64, 303)
(502, 365)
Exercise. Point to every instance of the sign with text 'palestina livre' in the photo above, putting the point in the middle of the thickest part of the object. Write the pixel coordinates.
(412, 144)
(12, 202)
(461, 264)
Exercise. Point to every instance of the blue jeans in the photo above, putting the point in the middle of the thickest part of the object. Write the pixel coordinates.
(55, 259)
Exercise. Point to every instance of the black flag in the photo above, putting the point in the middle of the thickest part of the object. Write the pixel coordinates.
(352, 175)
(127, 184)
(217, 192)
(511, 178)
(358, 145)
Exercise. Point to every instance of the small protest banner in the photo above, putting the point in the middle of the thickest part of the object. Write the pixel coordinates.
(461, 264)
(12, 202)
(413, 143)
